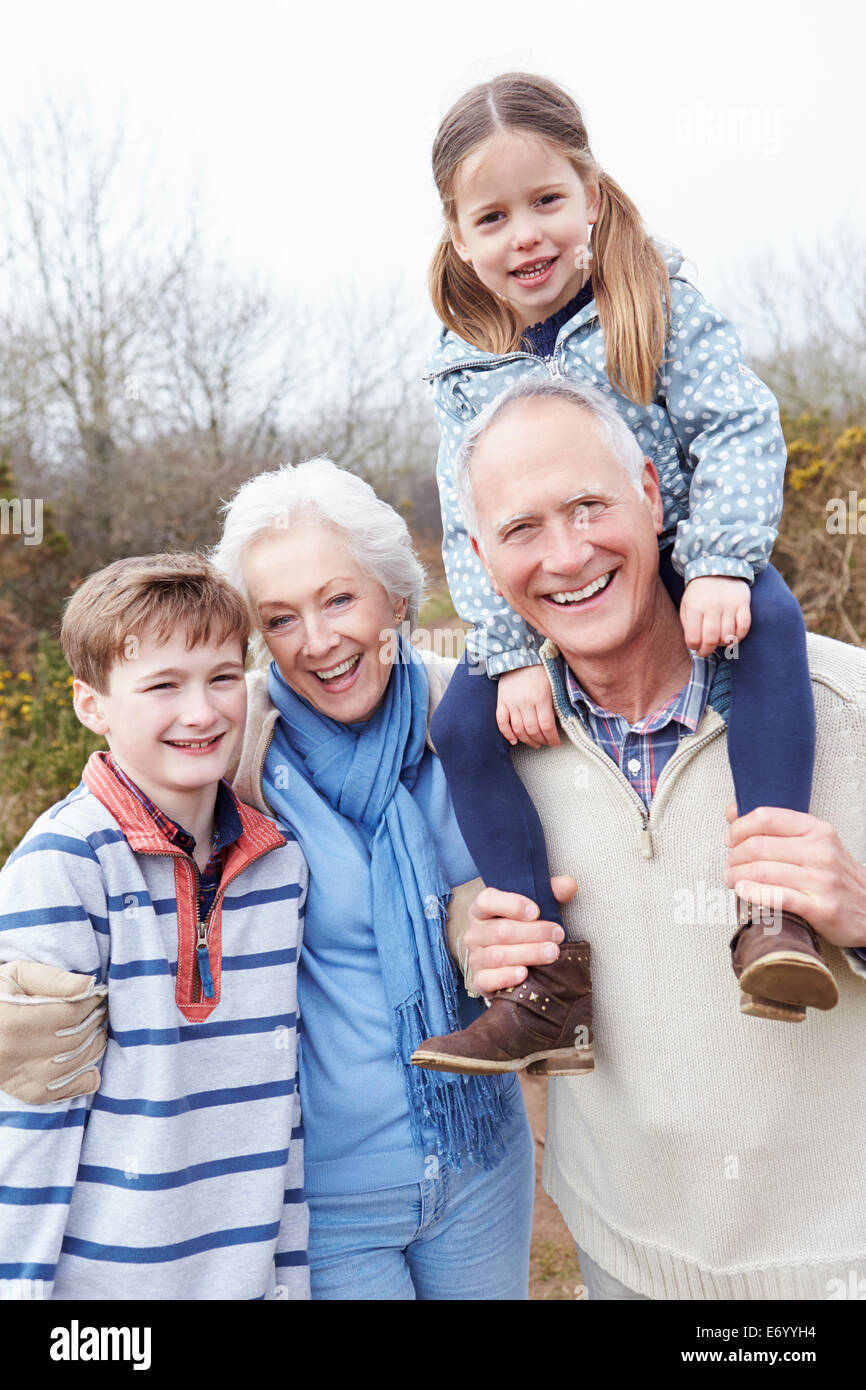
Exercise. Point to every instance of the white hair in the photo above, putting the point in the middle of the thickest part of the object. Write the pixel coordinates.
(374, 533)
(612, 430)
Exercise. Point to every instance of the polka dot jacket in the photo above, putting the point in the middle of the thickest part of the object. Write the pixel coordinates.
(712, 431)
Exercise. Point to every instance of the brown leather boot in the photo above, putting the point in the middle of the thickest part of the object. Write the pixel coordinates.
(780, 970)
(547, 1019)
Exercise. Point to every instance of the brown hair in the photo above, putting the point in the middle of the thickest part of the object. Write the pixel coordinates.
(153, 594)
(629, 277)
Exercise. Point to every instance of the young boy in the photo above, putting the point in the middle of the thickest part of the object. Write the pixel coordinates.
(182, 1178)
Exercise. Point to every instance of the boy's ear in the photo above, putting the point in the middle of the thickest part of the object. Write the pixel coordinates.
(87, 704)
(483, 558)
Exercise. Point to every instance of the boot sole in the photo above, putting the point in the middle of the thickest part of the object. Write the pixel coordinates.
(567, 1061)
(757, 1007)
(786, 978)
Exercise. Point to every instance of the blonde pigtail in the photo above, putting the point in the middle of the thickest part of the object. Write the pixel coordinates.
(468, 307)
(631, 291)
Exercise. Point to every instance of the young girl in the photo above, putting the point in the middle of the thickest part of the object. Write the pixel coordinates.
(520, 292)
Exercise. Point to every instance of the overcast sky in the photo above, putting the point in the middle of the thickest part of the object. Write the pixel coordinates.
(737, 127)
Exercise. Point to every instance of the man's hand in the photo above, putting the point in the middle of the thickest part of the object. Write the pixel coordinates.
(505, 936)
(796, 863)
(52, 1032)
(524, 708)
(714, 611)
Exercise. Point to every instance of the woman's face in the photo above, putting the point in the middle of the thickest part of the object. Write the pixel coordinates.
(324, 620)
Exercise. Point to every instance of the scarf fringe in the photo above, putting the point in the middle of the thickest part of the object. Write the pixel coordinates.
(468, 1113)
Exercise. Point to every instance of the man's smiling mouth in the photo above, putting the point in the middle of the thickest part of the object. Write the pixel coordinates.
(565, 597)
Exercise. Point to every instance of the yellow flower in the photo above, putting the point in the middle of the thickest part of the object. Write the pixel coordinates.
(24, 676)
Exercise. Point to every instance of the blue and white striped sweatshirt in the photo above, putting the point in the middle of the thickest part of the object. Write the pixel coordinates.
(183, 1177)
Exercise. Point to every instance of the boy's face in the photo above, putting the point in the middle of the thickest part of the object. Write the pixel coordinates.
(171, 717)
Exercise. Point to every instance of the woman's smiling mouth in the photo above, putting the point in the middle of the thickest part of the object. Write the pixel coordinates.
(341, 676)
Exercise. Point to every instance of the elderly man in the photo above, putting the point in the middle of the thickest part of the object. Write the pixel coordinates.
(709, 1155)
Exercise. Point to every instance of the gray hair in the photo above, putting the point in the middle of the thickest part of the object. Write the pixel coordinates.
(374, 533)
(612, 430)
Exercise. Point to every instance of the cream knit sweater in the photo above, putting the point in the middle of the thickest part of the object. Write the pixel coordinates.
(709, 1155)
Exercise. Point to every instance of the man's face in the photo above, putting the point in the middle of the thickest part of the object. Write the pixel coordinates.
(566, 538)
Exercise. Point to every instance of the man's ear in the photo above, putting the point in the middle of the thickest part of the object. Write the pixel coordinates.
(653, 494)
(460, 246)
(483, 558)
(88, 707)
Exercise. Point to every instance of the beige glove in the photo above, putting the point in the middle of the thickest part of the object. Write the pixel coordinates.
(52, 1032)
(462, 898)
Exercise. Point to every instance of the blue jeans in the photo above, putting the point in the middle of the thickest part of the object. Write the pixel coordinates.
(454, 1236)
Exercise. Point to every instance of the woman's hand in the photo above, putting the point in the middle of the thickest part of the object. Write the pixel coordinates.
(524, 708)
(714, 611)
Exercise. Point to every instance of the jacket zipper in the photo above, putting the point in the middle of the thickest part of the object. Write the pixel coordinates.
(203, 975)
(583, 739)
(549, 362)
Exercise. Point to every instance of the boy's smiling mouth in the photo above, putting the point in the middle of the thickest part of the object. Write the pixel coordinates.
(195, 745)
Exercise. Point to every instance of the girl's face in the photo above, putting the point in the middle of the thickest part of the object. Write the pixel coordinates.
(522, 212)
(327, 624)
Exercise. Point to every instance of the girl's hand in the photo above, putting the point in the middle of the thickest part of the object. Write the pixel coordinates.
(524, 709)
(714, 612)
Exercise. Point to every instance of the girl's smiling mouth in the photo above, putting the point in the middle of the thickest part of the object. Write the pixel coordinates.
(534, 272)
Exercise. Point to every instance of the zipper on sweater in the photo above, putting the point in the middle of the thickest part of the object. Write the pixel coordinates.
(203, 976)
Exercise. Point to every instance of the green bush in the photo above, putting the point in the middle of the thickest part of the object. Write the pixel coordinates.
(43, 748)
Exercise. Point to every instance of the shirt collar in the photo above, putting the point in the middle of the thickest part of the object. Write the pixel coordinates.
(686, 707)
(227, 821)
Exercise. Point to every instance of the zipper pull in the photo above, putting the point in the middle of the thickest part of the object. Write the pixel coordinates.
(646, 841)
(203, 958)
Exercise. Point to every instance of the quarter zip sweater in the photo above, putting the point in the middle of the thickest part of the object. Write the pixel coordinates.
(709, 1155)
(183, 1177)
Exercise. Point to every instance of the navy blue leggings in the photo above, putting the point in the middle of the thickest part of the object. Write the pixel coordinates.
(771, 743)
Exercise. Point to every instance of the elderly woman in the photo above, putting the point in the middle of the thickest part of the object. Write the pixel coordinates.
(420, 1183)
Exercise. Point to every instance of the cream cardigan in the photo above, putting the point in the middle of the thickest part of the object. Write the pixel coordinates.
(709, 1155)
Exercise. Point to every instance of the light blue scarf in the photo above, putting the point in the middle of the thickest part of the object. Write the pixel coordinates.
(366, 773)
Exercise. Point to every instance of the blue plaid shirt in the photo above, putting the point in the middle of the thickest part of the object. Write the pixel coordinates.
(641, 750)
